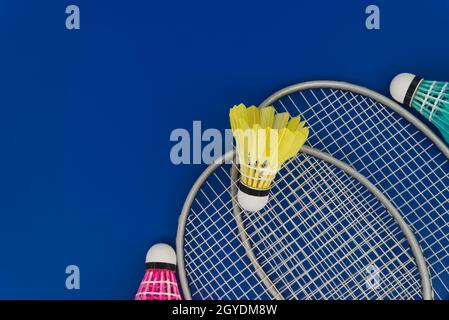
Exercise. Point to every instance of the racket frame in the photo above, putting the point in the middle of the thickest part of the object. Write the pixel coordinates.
(427, 292)
(320, 84)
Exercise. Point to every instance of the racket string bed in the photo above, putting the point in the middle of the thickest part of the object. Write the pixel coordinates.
(218, 267)
(313, 240)
(314, 252)
(226, 254)
(331, 226)
(218, 197)
(398, 158)
(284, 244)
(206, 257)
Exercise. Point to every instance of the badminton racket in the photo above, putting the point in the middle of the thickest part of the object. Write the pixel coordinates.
(326, 233)
(391, 147)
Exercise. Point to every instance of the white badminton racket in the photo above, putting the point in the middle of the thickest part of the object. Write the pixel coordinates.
(326, 233)
(398, 153)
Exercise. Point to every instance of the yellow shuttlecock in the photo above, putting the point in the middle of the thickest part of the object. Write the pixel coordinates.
(264, 141)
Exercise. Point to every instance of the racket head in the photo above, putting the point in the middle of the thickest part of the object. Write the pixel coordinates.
(390, 146)
(307, 243)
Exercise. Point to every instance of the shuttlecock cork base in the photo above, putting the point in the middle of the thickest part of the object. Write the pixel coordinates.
(403, 87)
(252, 199)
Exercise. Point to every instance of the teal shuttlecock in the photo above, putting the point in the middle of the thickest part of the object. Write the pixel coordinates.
(430, 98)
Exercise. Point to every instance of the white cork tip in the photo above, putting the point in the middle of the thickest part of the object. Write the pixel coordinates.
(251, 203)
(161, 253)
(399, 86)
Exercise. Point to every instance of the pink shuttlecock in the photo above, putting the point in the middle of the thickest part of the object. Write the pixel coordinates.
(159, 282)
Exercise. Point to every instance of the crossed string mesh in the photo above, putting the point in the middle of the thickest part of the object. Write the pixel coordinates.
(395, 156)
(323, 235)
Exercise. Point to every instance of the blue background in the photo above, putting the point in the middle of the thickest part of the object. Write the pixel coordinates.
(86, 115)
